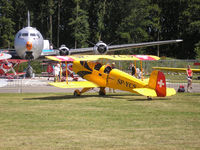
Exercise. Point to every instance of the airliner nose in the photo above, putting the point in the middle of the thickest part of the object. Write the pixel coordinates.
(29, 45)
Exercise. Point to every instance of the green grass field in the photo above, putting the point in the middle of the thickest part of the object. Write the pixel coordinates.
(116, 121)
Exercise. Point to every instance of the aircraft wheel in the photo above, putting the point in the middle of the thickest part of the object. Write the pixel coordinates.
(29, 72)
(149, 98)
(102, 92)
(77, 93)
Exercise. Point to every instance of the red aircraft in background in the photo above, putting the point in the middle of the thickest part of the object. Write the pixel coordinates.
(50, 70)
(7, 66)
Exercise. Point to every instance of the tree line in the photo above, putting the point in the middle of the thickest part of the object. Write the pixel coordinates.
(80, 23)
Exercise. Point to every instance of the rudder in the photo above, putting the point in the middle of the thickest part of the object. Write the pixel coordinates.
(158, 83)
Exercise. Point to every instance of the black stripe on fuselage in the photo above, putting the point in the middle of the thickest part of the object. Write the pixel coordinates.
(85, 65)
(83, 73)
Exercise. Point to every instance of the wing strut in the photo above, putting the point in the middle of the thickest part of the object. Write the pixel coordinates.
(142, 77)
(11, 67)
(66, 72)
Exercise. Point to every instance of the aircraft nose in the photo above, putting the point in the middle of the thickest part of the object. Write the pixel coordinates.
(29, 45)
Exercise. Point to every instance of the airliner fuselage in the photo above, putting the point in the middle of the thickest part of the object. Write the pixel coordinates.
(28, 43)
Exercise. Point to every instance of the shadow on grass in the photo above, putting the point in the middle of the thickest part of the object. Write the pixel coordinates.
(189, 94)
(121, 96)
(72, 97)
(153, 99)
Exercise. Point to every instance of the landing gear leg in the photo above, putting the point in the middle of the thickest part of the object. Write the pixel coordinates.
(102, 91)
(78, 93)
(29, 70)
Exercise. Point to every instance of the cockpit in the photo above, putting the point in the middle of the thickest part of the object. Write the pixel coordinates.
(97, 66)
(107, 69)
(26, 34)
(103, 68)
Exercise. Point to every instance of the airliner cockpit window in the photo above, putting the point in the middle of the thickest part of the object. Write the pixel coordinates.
(32, 34)
(24, 34)
(38, 35)
(19, 36)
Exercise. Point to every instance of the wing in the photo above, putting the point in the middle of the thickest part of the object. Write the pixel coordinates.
(98, 57)
(18, 61)
(176, 69)
(18, 74)
(122, 46)
(138, 45)
(77, 84)
(4, 56)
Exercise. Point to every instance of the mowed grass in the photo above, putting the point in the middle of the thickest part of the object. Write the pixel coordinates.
(116, 121)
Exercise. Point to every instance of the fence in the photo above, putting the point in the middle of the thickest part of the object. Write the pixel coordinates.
(173, 79)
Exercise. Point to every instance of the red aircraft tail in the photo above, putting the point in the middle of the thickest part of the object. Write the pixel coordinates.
(158, 83)
(156, 86)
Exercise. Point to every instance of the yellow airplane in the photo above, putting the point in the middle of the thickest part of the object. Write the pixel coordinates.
(102, 76)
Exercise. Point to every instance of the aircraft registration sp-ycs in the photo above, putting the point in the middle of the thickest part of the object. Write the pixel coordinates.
(102, 76)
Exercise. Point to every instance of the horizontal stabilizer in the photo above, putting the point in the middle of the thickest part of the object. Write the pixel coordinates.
(170, 91)
(145, 91)
(146, 80)
(75, 84)
(152, 92)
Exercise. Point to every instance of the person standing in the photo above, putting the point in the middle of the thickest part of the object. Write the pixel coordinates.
(49, 70)
(113, 65)
(189, 78)
(132, 69)
(56, 73)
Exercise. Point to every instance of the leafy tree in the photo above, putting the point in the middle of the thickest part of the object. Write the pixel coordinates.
(192, 30)
(133, 27)
(153, 24)
(6, 24)
(74, 22)
(79, 25)
(197, 50)
(19, 14)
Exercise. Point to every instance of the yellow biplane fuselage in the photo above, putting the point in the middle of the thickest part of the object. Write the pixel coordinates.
(102, 76)
(105, 76)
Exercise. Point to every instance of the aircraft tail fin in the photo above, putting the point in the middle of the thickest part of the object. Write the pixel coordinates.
(156, 86)
(158, 83)
(28, 19)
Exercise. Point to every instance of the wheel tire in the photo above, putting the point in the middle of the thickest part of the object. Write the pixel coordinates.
(102, 93)
(77, 93)
(149, 98)
(29, 72)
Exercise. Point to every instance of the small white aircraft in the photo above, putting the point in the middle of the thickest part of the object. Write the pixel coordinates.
(4, 56)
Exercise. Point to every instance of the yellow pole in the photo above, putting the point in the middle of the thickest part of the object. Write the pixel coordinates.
(141, 70)
(135, 69)
(60, 71)
(66, 73)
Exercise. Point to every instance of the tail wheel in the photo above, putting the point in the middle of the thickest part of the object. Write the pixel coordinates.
(102, 92)
(149, 98)
(77, 93)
